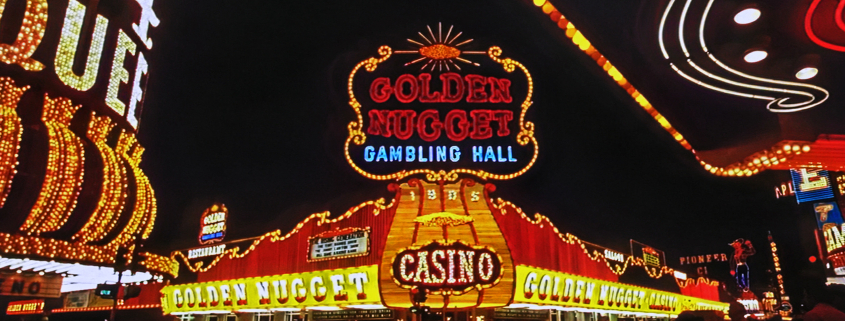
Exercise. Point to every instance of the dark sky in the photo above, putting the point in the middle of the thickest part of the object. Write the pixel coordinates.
(246, 106)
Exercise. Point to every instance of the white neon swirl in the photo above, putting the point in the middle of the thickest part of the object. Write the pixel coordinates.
(708, 86)
(736, 83)
(681, 28)
(660, 32)
(781, 102)
(701, 27)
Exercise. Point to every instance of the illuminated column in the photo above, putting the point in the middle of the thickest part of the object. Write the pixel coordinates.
(113, 190)
(63, 178)
(10, 134)
(68, 47)
(29, 37)
(144, 211)
(777, 264)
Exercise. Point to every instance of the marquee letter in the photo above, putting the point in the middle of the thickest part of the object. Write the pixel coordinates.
(435, 261)
(436, 125)
(530, 286)
(380, 90)
(119, 75)
(29, 36)
(461, 117)
(263, 292)
(425, 95)
(137, 92)
(379, 122)
(403, 129)
(480, 124)
(399, 88)
(337, 287)
(319, 292)
(500, 90)
(503, 117)
(148, 18)
(475, 89)
(450, 96)
(297, 287)
(359, 279)
(69, 42)
(280, 289)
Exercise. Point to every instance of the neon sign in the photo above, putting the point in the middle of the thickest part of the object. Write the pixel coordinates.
(339, 244)
(206, 251)
(442, 115)
(544, 287)
(811, 184)
(447, 268)
(356, 285)
(25, 307)
(785, 189)
(213, 224)
(704, 259)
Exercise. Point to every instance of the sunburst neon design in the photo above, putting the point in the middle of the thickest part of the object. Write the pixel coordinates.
(439, 51)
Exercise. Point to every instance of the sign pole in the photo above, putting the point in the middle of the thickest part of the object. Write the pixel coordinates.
(116, 297)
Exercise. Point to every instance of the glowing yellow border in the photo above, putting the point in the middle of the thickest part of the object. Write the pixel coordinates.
(357, 135)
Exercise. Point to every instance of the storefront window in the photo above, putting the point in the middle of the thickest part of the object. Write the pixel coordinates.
(262, 316)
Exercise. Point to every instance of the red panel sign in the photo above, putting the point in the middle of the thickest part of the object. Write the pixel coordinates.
(25, 307)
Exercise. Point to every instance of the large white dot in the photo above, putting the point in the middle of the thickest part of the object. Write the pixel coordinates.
(755, 56)
(747, 16)
(806, 73)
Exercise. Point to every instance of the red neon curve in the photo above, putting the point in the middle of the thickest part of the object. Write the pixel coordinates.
(838, 16)
(809, 28)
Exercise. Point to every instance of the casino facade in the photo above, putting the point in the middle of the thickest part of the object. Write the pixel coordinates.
(473, 254)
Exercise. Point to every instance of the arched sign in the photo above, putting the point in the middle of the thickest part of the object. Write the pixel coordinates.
(447, 267)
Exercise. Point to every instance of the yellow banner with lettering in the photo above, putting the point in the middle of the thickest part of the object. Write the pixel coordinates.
(341, 287)
(545, 287)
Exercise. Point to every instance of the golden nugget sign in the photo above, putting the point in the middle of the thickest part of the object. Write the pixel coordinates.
(442, 112)
(352, 286)
(447, 268)
(544, 287)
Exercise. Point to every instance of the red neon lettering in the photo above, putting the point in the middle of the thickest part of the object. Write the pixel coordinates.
(399, 88)
(379, 123)
(403, 123)
(403, 132)
(425, 95)
(480, 124)
(461, 117)
(408, 88)
(436, 125)
(500, 90)
(449, 96)
(475, 89)
(380, 90)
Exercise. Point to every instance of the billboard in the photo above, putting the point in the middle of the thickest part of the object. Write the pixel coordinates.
(811, 184)
(440, 105)
(651, 257)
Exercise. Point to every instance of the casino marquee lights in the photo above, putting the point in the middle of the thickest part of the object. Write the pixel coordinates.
(71, 186)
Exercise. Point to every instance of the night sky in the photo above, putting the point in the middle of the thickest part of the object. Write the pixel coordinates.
(247, 106)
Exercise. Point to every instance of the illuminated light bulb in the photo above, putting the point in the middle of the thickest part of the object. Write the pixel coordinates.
(539, 3)
(756, 56)
(806, 73)
(806, 148)
(747, 16)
